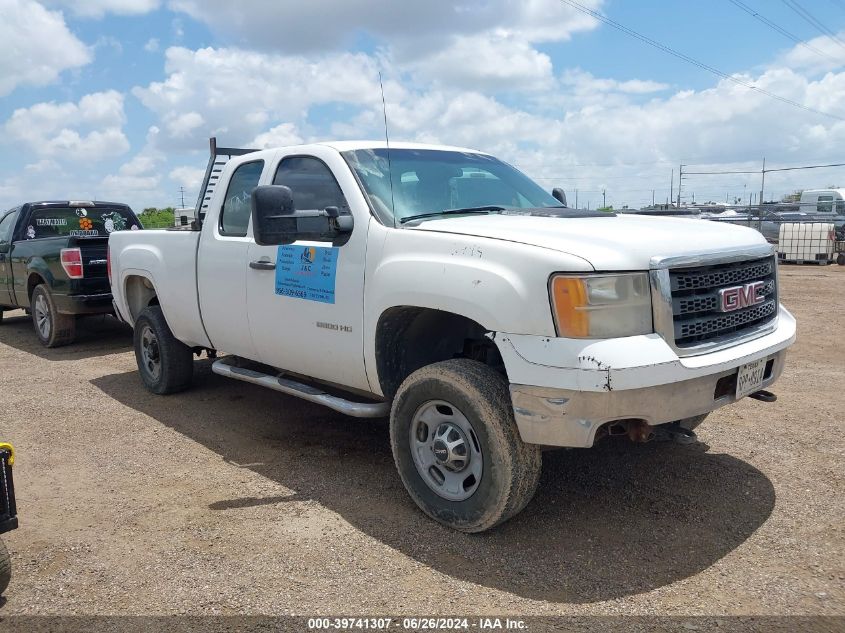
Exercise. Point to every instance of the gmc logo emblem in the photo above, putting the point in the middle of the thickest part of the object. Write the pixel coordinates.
(737, 297)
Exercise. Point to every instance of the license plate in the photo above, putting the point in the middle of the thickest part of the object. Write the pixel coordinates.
(750, 378)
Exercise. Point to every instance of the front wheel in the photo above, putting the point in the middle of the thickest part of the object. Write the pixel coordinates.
(457, 447)
(53, 328)
(165, 363)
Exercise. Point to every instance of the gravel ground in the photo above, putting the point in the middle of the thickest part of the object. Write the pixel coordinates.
(229, 499)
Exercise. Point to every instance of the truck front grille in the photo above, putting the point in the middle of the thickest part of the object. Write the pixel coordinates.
(696, 305)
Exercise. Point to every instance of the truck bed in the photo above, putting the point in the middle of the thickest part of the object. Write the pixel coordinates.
(159, 255)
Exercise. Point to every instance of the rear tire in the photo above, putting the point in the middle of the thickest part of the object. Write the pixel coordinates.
(841, 259)
(5, 567)
(457, 447)
(165, 363)
(52, 328)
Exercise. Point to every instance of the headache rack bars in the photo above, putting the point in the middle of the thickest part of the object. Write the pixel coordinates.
(212, 174)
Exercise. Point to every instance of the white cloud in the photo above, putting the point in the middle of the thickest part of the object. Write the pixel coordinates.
(190, 178)
(90, 129)
(37, 45)
(319, 25)
(820, 54)
(496, 62)
(152, 45)
(234, 93)
(137, 179)
(472, 43)
(98, 8)
(279, 136)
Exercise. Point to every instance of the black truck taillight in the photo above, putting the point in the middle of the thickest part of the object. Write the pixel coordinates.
(71, 259)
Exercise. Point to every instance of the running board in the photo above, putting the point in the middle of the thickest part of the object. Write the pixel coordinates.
(300, 390)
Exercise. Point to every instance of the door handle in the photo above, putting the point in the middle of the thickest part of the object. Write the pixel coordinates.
(262, 265)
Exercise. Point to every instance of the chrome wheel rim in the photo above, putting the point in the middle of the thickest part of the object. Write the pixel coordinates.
(42, 317)
(446, 450)
(150, 353)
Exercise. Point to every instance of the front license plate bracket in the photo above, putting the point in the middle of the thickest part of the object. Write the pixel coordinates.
(749, 378)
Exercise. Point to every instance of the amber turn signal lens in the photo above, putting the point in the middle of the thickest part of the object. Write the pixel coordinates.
(569, 298)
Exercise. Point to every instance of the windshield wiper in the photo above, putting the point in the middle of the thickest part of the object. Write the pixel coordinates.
(485, 209)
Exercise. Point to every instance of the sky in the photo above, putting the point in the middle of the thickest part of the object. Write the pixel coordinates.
(116, 99)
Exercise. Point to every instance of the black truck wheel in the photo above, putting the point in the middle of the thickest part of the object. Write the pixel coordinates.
(5, 567)
(165, 363)
(52, 328)
(457, 447)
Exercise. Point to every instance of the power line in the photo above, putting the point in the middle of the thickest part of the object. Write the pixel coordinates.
(781, 30)
(671, 51)
(812, 20)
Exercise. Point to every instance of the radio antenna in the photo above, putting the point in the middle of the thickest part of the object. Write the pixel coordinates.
(387, 141)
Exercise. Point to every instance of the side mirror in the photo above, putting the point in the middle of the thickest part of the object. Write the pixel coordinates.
(5, 247)
(559, 195)
(275, 221)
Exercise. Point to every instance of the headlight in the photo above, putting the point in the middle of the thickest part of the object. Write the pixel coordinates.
(601, 306)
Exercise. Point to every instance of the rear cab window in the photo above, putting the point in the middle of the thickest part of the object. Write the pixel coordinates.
(78, 222)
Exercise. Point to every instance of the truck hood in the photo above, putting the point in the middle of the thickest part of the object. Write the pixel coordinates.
(622, 242)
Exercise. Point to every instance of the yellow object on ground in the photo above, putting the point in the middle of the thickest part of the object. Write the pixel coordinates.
(11, 449)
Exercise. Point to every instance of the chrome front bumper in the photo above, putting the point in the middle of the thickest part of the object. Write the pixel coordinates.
(563, 417)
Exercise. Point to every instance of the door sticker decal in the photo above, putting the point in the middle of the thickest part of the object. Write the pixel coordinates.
(306, 272)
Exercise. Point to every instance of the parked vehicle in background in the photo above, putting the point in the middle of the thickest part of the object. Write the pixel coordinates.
(8, 511)
(53, 262)
(828, 201)
(444, 288)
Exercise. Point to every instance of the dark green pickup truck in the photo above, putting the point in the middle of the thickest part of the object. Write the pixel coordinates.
(53, 262)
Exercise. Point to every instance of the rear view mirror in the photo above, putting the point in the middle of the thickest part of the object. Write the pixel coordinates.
(559, 195)
(275, 221)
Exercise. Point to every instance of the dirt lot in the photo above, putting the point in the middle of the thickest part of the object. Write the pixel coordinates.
(229, 498)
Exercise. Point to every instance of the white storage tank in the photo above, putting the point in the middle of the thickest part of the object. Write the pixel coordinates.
(807, 242)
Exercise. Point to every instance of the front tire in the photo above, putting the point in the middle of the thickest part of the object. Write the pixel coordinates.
(457, 447)
(165, 363)
(52, 328)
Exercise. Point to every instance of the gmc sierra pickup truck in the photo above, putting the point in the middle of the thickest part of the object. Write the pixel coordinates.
(444, 288)
(53, 262)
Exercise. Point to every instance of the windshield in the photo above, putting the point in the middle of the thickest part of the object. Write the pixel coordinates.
(79, 222)
(434, 181)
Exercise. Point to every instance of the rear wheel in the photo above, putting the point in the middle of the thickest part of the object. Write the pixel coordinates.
(457, 447)
(5, 567)
(52, 328)
(165, 363)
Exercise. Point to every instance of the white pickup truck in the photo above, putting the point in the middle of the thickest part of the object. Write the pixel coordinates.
(444, 288)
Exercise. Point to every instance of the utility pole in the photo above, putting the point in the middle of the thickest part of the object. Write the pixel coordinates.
(652, 197)
(680, 182)
(182, 192)
(763, 185)
(671, 189)
(604, 198)
(576, 198)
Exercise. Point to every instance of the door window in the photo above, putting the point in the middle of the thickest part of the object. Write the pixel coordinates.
(7, 225)
(825, 204)
(234, 218)
(312, 183)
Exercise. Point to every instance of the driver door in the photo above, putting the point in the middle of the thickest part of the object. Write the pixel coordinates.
(306, 300)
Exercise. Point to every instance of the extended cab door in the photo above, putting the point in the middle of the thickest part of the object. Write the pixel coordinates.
(315, 326)
(222, 263)
(7, 229)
